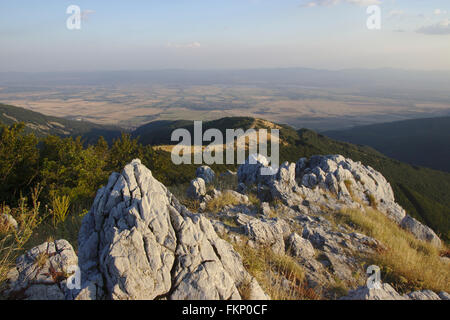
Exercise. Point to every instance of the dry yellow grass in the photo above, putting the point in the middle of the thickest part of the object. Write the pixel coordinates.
(12, 242)
(408, 263)
(218, 203)
(272, 270)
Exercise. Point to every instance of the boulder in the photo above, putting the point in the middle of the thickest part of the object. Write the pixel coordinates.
(444, 295)
(42, 272)
(300, 247)
(139, 242)
(206, 173)
(196, 189)
(423, 295)
(420, 231)
(268, 232)
(384, 292)
(251, 171)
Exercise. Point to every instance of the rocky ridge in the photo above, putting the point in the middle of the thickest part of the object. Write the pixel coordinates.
(139, 242)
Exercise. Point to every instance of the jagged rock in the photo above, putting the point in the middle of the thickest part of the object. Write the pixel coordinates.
(41, 273)
(9, 221)
(385, 292)
(265, 209)
(420, 231)
(196, 189)
(251, 171)
(334, 173)
(206, 173)
(423, 295)
(138, 242)
(300, 247)
(444, 295)
(268, 232)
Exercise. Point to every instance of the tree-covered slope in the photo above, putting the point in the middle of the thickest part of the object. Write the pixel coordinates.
(42, 125)
(423, 142)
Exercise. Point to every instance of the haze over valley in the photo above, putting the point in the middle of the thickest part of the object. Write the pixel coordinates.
(315, 99)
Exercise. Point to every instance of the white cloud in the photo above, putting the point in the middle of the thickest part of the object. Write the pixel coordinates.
(190, 45)
(328, 3)
(441, 28)
(439, 12)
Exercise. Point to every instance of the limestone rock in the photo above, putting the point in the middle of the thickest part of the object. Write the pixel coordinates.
(268, 232)
(420, 231)
(138, 242)
(251, 171)
(196, 189)
(41, 273)
(300, 247)
(206, 173)
(385, 292)
(444, 295)
(423, 295)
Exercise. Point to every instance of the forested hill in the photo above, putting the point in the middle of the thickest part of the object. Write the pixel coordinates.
(423, 142)
(42, 125)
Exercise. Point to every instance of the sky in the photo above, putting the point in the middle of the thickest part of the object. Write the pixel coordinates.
(223, 34)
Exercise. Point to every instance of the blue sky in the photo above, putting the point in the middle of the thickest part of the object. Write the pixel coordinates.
(205, 34)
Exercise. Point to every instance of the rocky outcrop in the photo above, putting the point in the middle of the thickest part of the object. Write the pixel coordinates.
(250, 173)
(268, 232)
(138, 242)
(383, 292)
(196, 189)
(307, 185)
(206, 173)
(42, 272)
(300, 247)
(423, 295)
(420, 231)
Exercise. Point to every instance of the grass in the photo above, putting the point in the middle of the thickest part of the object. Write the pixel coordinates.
(221, 201)
(407, 263)
(60, 208)
(271, 270)
(13, 242)
(348, 185)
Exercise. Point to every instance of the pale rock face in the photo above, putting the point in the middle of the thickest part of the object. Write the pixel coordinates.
(420, 231)
(41, 273)
(206, 173)
(250, 172)
(423, 295)
(300, 247)
(268, 232)
(444, 295)
(138, 242)
(196, 189)
(385, 292)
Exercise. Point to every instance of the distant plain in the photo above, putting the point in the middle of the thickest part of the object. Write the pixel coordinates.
(319, 100)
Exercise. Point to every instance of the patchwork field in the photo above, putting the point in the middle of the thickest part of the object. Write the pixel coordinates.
(132, 106)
